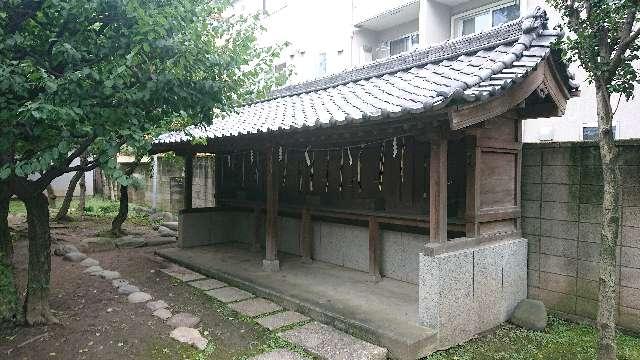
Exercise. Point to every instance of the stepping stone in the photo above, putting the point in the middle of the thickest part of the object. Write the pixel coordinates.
(74, 257)
(160, 241)
(229, 294)
(278, 355)
(279, 320)
(88, 262)
(109, 275)
(171, 225)
(130, 242)
(93, 269)
(255, 307)
(189, 336)
(183, 320)
(128, 289)
(64, 249)
(207, 284)
(183, 274)
(163, 314)
(329, 343)
(119, 282)
(138, 297)
(166, 232)
(92, 245)
(155, 305)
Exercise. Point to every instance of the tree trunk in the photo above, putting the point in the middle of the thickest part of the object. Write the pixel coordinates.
(36, 304)
(63, 212)
(9, 306)
(83, 188)
(51, 196)
(123, 212)
(606, 320)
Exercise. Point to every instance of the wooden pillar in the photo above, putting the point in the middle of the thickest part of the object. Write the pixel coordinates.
(188, 181)
(438, 188)
(306, 235)
(472, 183)
(271, 263)
(374, 249)
(257, 223)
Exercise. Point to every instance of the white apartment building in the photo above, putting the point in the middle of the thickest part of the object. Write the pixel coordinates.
(326, 37)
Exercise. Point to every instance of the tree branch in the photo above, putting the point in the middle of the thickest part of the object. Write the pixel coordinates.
(63, 167)
(627, 38)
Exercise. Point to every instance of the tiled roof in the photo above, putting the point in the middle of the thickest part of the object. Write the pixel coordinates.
(467, 69)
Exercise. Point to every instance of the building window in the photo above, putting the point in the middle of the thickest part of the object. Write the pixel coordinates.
(484, 18)
(322, 64)
(403, 44)
(590, 133)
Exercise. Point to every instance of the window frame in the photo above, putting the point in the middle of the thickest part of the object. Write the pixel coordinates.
(456, 20)
(408, 37)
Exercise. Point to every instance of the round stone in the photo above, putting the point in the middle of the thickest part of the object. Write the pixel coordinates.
(155, 305)
(119, 282)
(109, 275)
(88, 262)
(183, 320)
(75, 257)
(128, 289)
(139, 297)
(93, 269)
(163, 314)
(189, 336)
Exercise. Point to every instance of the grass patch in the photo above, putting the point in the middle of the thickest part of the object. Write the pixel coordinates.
(96, 207)
(561, 340)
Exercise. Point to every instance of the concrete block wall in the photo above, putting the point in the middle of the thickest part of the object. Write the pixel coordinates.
(169, 199)
(561, 207)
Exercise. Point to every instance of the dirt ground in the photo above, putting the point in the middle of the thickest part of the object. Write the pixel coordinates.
(97, 323)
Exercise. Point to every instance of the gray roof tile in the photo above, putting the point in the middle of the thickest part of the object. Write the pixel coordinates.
(470, 68)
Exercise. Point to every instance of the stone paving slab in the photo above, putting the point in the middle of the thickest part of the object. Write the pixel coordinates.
(229, 294)
(279, 320)
(255, 307)
(278, 355)
(182, 274)
(207, 284)
(329, 343)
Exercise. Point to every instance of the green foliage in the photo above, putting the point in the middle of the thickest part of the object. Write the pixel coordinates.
(561, 340)
(108, 73)
(601, 36)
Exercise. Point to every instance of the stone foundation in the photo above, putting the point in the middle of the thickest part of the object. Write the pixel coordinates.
(466, 292)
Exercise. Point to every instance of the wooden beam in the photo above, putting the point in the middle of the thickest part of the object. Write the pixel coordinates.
(374, 249)
(271, 262)
(188, 181)
(306, 235)
(438, 187)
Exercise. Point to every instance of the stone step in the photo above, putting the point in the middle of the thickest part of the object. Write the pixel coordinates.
(331, 344)
(278, 355)
(279, 320)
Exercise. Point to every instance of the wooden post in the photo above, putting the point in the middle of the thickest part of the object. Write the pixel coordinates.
(438, 188)
(374, 249)
(271, 263)
(257, 218)
(306, 235)
(472, 183)
(188, 181)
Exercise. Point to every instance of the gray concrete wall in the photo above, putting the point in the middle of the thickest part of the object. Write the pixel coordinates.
(562, 197)
(334, 243)
(466, 292)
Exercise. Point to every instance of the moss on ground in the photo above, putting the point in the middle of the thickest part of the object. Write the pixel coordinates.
(560, 341)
